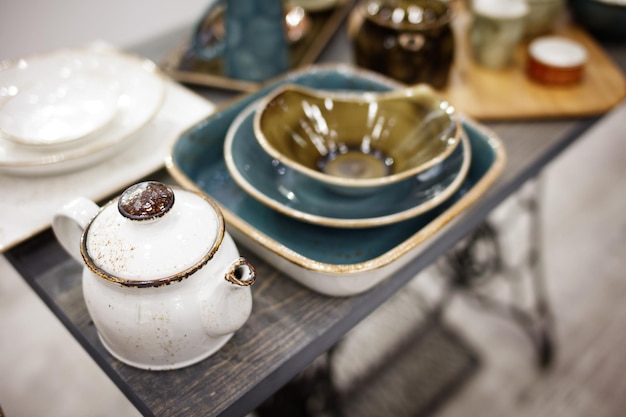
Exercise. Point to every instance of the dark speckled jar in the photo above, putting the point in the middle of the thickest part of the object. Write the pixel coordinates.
(409, 40)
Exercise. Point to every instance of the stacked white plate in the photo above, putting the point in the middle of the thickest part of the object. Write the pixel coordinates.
(72, 108)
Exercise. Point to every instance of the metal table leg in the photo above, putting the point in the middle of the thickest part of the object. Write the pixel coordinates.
(473, 268)
(476, 265)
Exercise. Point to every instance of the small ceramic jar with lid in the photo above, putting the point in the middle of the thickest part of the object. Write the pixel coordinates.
(409, 40)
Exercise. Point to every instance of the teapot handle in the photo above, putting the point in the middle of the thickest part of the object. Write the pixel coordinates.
(70, 221)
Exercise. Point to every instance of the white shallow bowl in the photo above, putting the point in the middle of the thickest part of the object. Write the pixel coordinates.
(57, 98)
(140, 94)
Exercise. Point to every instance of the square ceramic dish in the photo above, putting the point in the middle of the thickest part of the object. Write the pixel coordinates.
(331, 261)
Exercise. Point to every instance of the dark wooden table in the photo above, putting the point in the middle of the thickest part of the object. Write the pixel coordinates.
(290, 325)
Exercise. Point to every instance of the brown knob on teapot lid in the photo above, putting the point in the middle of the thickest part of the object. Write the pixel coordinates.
(146, 200)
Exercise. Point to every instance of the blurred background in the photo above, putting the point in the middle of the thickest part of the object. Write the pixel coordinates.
(32, 26)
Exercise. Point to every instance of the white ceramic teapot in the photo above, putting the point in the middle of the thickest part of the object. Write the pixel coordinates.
(163, 282)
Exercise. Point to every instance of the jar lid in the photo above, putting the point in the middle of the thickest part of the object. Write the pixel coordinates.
(407, 14)
(152, 235)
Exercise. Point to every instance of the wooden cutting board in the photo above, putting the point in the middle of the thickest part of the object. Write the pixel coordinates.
(509, 94)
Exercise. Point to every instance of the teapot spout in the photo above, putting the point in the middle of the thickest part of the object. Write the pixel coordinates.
(225, 307)
(241, 273)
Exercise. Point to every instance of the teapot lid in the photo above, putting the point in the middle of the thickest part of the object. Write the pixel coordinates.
(152, 235)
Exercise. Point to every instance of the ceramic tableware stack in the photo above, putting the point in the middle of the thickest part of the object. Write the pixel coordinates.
(70, 108)
(334, 243)
(348, 159)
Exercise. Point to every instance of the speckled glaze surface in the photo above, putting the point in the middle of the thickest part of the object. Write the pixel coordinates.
(332, 261)
(360, 142)
(165, 287)
(298, 196)
(146, 201)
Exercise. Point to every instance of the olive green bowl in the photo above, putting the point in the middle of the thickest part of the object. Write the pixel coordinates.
(356, 143)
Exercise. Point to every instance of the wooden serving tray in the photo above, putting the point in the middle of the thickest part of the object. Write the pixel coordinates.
(509, 94)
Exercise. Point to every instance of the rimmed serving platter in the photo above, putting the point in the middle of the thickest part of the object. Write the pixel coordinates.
(140, 94)
(296, 195)
(329, 260)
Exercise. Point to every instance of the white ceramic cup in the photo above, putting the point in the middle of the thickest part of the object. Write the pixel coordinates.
(497, 28)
